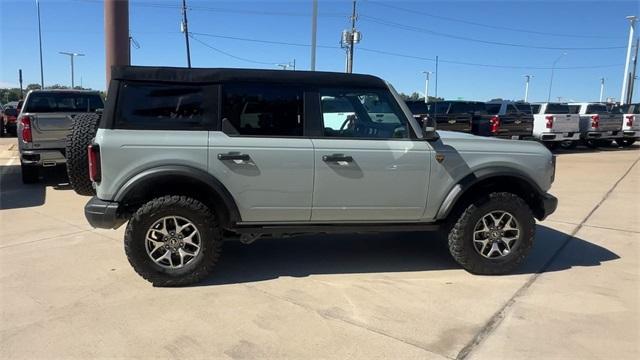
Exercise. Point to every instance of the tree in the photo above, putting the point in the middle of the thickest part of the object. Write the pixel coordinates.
(33, 87)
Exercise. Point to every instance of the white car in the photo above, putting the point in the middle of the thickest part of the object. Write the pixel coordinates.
(554, 124)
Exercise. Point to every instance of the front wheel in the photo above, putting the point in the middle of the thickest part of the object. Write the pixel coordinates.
(173, 241)
(493, 235)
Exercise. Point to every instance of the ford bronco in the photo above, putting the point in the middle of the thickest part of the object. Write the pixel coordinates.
(192, 157)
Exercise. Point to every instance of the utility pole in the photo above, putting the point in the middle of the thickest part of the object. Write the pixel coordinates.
(526, 87)
(71, 55)
(314, 32)
(185, 30)
(632, 78)
(553, 67)
(436, 76)
(601, 88)
(349, 39)
(426, 85)
(116, 35)
(40, 44)
(20, 81)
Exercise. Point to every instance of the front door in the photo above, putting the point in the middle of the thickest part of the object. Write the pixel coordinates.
(368, 166)
(260, 155)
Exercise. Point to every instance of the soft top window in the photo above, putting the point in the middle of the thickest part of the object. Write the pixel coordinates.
(50, 102)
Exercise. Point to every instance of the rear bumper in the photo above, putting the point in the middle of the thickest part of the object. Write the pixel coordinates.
(103, 214)
(630, 134)
(549, 204)
(559, 136)
(589, 135)
(42, 157)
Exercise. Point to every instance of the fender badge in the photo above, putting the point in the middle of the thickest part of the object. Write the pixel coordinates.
(439, 158)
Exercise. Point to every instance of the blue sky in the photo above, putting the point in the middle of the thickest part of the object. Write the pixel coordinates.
(421, 29)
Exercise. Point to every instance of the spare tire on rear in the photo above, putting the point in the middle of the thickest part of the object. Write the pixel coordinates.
(83, 130)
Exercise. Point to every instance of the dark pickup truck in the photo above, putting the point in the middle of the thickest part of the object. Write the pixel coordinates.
(516, 118)
(473, 117)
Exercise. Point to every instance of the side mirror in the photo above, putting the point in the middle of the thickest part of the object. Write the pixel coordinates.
(429, 128)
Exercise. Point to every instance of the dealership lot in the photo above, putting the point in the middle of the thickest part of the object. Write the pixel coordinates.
(66, 290)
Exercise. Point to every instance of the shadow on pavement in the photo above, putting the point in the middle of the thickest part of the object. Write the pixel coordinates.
(268, 259)
(582, 149)
(14, 194)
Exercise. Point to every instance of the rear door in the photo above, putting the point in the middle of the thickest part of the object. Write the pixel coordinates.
(260, 154)
(372, 169)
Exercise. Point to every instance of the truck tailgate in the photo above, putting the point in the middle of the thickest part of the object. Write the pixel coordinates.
(49, 130)
(515, 125)
(565, 122)
(610, 122)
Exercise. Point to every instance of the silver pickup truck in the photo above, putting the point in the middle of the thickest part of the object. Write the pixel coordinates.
(598, 126)
(43, 124)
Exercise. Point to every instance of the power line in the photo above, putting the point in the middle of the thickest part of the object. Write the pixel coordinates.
(489, 42)
(407, 56)
(414, 11)
(229, 54)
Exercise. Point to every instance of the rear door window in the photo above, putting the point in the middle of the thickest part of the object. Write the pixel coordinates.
(263, 109)
(51, 102)
(165, 106)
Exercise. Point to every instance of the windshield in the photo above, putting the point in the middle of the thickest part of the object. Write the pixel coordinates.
(597, 109)
(63, 102)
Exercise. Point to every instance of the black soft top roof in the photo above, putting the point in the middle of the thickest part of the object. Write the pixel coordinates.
(215, 75)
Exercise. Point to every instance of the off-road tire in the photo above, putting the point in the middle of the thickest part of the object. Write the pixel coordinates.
(199, 214)
(30, 174)
(461, 234)
(625, 142)
(83, 130)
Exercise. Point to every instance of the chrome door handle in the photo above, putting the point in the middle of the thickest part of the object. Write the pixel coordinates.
(233, 156)
(337, 158)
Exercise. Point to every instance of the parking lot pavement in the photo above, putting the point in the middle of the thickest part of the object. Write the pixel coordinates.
(66, 290)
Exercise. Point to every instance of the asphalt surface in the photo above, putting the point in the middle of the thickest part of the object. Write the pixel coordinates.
(67, 290)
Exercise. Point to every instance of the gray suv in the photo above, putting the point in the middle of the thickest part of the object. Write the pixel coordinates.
(192, 157)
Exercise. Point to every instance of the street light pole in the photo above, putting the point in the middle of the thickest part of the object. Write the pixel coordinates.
(40, 44)
(426, 85)
(601, 88)
(625, 79)
(71, 56)
(314, 31)
(526, 87)
(553, 67)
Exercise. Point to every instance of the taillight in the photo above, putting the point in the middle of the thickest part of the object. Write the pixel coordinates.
(629, 120)
(549, 121)
(495, 124)
(93, 155)
(595, 121)
(25, 123)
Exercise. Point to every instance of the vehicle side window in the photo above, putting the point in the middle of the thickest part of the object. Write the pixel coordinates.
(262, 110)
(161, 106)
(366, 113)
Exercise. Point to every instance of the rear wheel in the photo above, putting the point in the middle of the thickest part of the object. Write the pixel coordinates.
(568, 145)
(30, 174)
(83, 130)
(173, 241)
(493, 235)
(625, 142)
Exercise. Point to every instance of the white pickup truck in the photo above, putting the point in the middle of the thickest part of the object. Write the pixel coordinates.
(630, 124)
(554, 125)
(598, 126)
